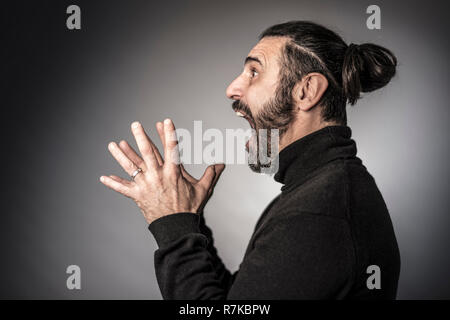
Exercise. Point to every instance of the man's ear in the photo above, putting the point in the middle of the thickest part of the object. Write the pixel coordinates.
(308, 91)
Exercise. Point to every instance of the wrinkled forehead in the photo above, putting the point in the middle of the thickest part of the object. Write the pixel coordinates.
(268, 51)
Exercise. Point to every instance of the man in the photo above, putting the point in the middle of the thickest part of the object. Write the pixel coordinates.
(328, 234)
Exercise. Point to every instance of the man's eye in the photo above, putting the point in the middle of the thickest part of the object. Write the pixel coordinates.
(254, 73)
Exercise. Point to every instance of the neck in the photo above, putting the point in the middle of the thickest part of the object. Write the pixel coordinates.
(303, 126)
(303, 157)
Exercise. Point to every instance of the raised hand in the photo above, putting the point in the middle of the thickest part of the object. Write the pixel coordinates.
(218, 169)
(163, 186)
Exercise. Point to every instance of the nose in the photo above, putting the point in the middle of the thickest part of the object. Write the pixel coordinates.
(236, 89)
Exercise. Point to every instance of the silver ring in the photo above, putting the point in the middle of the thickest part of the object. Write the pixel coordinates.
(135, 173)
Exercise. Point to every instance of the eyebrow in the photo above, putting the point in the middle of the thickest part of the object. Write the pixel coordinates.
(250, 58)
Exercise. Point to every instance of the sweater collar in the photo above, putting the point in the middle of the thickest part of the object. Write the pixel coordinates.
(305, 155)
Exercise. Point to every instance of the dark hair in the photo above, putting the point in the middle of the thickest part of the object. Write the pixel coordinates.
(349, 69)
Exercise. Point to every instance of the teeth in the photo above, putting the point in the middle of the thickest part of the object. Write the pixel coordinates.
(239, 114)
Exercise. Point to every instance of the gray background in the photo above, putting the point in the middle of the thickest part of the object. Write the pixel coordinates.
(68, 93)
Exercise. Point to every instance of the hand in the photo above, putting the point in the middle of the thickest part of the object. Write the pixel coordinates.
(163, 187)
(218, 169)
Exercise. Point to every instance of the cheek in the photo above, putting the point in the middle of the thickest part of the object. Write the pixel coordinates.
(259, 95)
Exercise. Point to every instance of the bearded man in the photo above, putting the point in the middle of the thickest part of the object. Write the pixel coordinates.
(328, 229)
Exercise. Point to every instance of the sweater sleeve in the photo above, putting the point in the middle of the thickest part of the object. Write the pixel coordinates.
(304, 256)
(224, 275)
(187, 264)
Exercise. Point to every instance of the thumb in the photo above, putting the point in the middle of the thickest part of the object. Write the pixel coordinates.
(208, 177)
(219, 169)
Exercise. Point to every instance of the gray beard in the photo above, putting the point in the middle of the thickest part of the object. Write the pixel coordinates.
(263, 151)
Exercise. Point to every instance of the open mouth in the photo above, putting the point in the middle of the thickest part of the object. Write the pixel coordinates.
(242, 114)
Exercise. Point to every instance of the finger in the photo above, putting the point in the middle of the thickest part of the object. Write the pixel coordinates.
(219, 168)
(160, 129)
(121, 180)
(121, 158)
(156, 151)
(144, 144)
(116, 186)
(132, 155)
(158, 155)
(171, 155)
(207, 178)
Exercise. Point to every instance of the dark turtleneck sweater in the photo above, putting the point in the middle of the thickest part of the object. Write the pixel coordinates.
(320, 238)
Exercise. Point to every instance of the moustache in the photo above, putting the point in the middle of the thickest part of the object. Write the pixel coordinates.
(238, 105)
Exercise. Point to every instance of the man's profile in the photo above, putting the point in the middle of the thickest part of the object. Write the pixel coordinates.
(329, 224)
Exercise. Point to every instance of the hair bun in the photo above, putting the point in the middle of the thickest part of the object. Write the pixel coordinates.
(366, 67)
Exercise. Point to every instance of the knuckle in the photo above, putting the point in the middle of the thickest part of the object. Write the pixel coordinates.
(146, 149)
(139, 162)
(171, 173)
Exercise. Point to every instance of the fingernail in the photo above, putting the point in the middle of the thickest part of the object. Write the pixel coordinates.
(167, 121)
(102, 179)
(135, 125)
